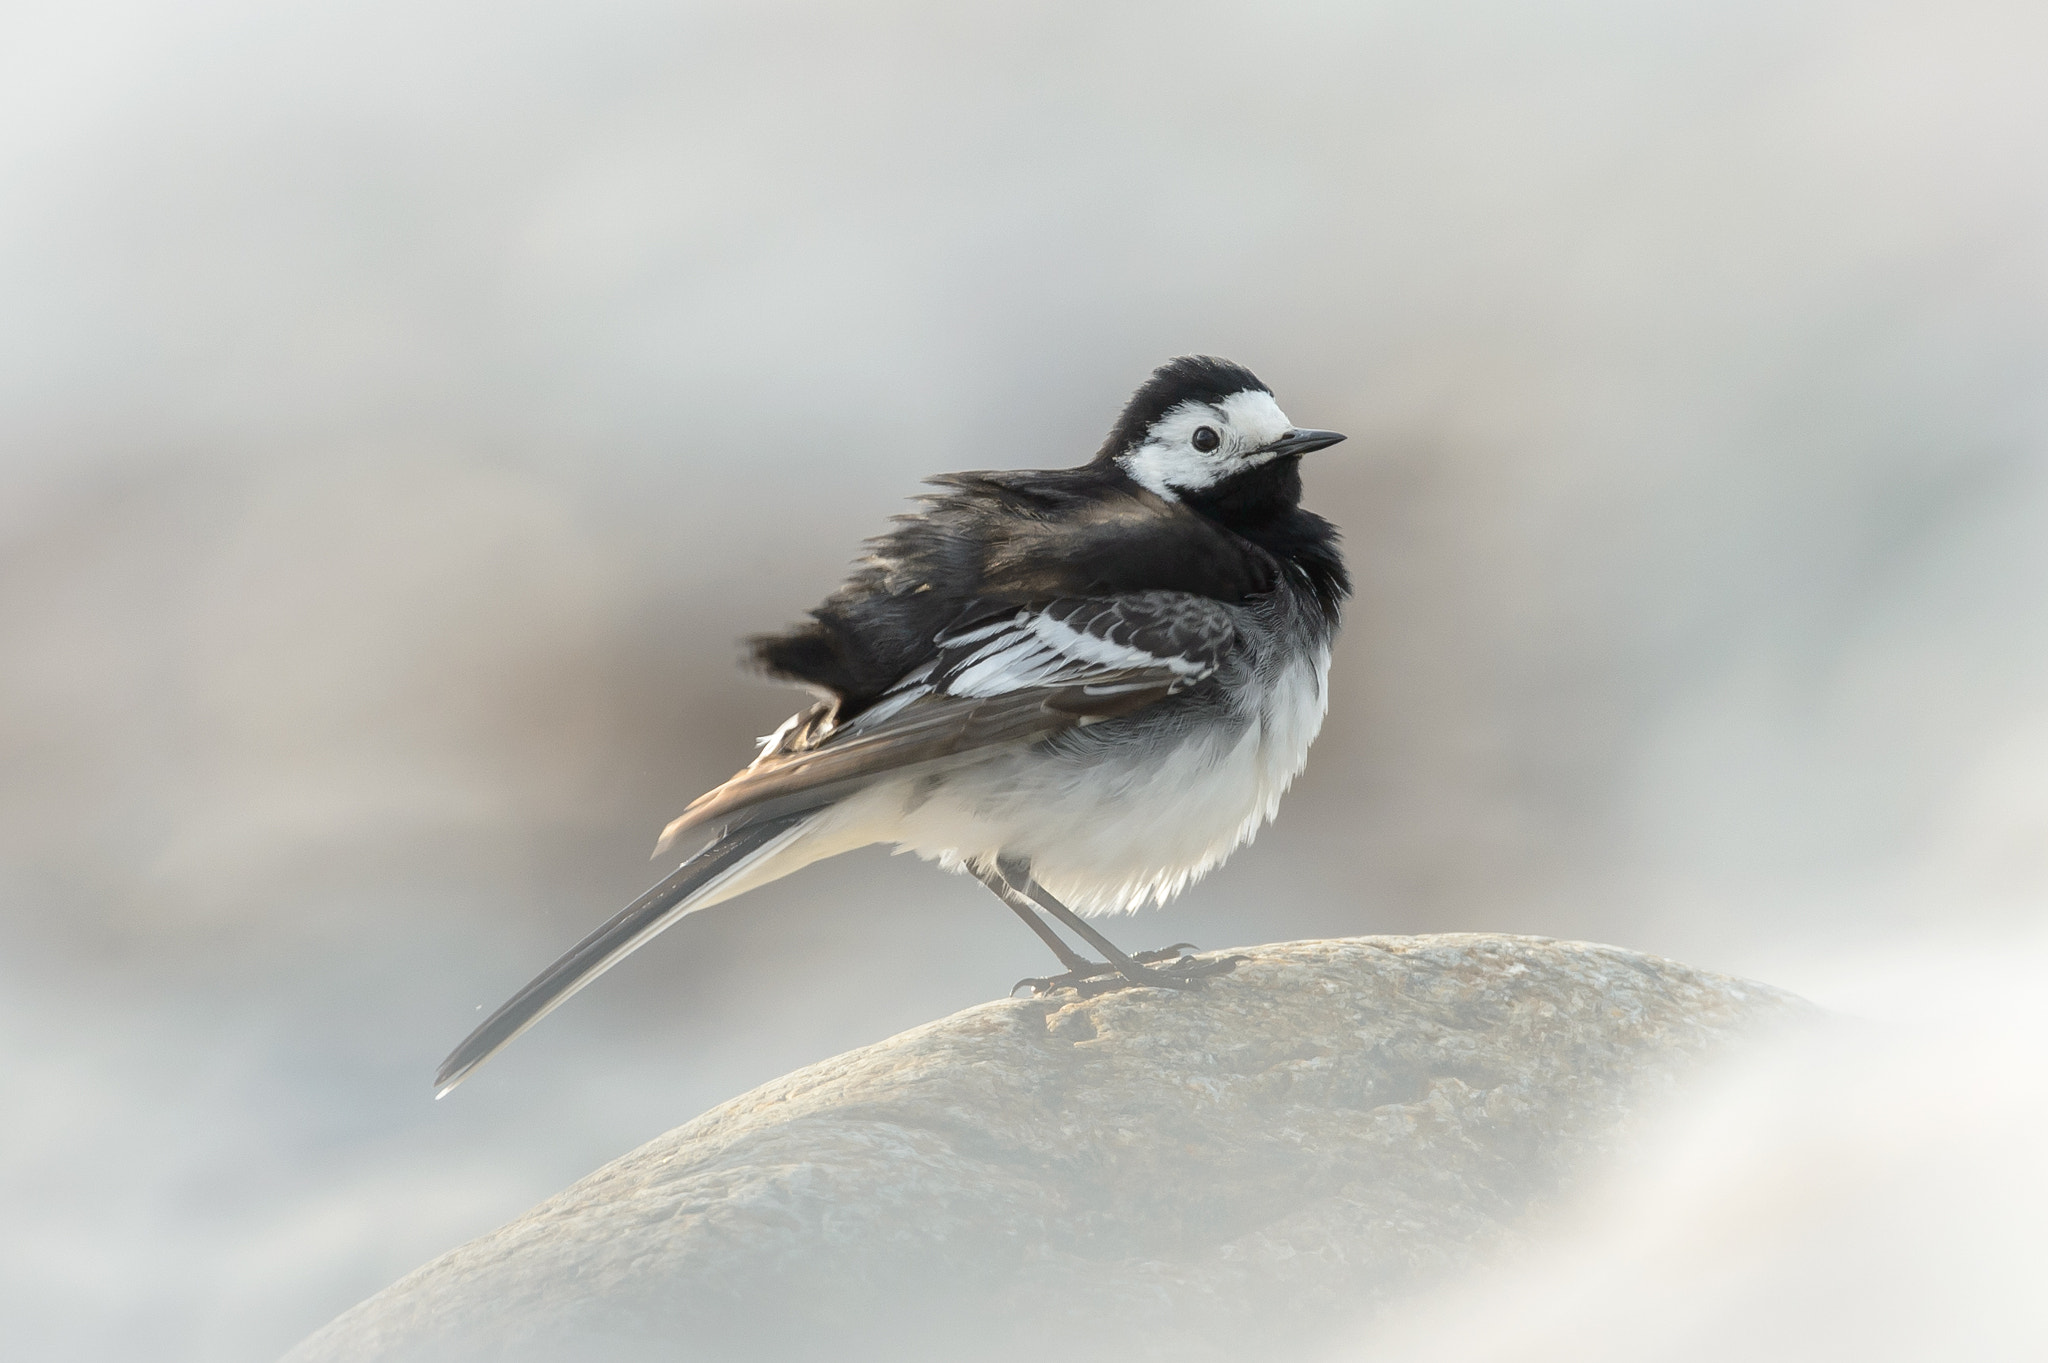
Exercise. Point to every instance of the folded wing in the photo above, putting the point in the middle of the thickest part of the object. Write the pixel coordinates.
(1006, 675)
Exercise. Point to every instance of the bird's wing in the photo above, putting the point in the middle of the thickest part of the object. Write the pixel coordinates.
(1006, 677)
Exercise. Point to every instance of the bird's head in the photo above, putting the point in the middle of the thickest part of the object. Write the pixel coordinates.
(1206, 432)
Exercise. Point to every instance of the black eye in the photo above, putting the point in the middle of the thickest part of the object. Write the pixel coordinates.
(1206, 439)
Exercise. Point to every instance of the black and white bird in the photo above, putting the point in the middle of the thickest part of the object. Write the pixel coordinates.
(1084, 687)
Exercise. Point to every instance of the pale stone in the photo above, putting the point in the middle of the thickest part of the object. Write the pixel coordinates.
(1140, 1174)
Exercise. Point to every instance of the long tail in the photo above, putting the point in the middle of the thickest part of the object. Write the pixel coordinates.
(689, 887)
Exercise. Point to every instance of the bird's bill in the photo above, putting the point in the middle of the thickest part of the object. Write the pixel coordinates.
(1301, 441)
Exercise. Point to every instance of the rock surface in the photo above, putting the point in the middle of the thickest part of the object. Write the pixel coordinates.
(1140, 1174)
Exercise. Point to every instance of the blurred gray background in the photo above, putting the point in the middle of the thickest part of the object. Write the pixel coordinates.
(404, 408)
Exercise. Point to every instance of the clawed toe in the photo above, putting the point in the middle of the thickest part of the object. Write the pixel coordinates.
(1181, 972)
(1194, 968)
(1167, 968)
(1073, 979)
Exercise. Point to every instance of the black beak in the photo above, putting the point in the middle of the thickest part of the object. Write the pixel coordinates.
(1299, 441)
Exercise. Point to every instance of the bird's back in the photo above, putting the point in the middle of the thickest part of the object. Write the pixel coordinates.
(989, 542)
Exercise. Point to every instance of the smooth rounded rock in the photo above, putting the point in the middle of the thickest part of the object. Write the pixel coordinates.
(1150, 1173)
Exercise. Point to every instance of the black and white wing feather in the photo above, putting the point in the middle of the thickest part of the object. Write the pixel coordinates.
(1007, 675)
(1102, 644)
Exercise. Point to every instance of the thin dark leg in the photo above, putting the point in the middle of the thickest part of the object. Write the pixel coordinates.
(1002, 889)
(1019, 875)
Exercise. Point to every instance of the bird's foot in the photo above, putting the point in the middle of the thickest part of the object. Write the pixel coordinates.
(1167, 968)
(1076, 978)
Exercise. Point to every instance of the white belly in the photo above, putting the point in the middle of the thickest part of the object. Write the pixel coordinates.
(1107, 830)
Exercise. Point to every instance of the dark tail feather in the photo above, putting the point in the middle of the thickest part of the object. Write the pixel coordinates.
(610, 944)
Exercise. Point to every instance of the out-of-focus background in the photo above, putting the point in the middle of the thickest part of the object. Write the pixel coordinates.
(405, 407)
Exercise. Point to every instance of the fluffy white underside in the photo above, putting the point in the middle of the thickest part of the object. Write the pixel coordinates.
(1105, 832)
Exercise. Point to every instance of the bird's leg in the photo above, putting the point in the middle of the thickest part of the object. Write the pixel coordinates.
(1079, 967)
(1179, 976)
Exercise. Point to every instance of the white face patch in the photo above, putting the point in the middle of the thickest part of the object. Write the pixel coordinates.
(1168, 462)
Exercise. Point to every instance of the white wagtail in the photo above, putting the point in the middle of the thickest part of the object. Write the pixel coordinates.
(1084, 687)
